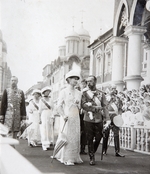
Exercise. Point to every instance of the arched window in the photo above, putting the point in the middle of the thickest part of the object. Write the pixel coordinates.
(108, 60)
(99, 62)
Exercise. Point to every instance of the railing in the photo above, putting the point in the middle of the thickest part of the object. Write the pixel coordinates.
(134, 137)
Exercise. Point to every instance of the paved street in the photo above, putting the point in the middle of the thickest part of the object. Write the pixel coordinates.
(133, 163)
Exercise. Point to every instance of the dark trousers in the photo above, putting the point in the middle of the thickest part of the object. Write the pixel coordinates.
(115, 130)
(94, 135)
(83, 140)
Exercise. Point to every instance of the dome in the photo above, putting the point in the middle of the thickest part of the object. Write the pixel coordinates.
(83, 32)
(72, 33)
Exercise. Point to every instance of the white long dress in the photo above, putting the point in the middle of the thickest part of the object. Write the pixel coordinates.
(66, 106)
(47, 118)
(34, 129)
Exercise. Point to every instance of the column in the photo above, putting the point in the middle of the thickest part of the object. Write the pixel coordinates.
(91, 62)
(118, 44)
(133, 78)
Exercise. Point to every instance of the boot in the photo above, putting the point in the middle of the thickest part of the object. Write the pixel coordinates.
(119, 154)
(91, 154)
(92, 160)
(117, 147)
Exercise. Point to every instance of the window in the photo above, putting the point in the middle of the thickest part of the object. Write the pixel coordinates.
(108, 61)
(99, 62)
(144, 63)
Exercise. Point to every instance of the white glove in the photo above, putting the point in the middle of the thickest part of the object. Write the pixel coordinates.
(107, 124)
(90, 115)
(89, 104)
(65, 118)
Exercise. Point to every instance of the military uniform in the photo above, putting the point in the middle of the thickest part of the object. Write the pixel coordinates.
(93, 118)
(115, 109)
(13, 109)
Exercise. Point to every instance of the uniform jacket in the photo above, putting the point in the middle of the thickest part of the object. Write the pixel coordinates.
(98, 116)
(13, 108)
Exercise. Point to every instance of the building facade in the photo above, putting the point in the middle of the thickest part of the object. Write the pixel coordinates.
(72, 54)
(5, 72)
(122, 55)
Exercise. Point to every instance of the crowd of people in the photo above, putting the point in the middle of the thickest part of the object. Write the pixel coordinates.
(135, 104)
(86, 116)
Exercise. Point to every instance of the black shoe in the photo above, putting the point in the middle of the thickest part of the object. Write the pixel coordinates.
(31, 145)
(83, 153)
(92, 162)
(119, 155)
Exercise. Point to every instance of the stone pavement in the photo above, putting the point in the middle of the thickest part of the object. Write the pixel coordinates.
(132, 163)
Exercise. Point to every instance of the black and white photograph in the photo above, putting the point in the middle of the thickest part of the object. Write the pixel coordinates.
(74, 86)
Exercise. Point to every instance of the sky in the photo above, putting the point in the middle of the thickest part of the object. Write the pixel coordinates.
(34, 29)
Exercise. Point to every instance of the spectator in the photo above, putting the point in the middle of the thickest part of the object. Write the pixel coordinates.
(115, 111)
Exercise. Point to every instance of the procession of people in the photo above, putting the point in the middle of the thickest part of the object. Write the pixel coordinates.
(87, 114)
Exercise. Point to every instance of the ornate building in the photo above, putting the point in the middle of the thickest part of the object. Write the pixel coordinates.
(122, 55)
(5, 73)
(73, 54)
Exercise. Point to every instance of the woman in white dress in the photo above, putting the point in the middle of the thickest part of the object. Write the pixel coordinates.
(46, 118)
(68, 107)
(33, 109)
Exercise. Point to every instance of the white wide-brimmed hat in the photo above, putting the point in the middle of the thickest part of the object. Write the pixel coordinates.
(72, 73)
(47, 88)
(36, 91)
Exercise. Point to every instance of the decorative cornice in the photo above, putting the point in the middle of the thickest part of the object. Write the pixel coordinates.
(118, 82)
(138, 30)
(120, 40)
(133, 77)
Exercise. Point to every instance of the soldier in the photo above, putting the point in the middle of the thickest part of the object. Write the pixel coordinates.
(13, 109)
(115, 111)
(94, 102)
